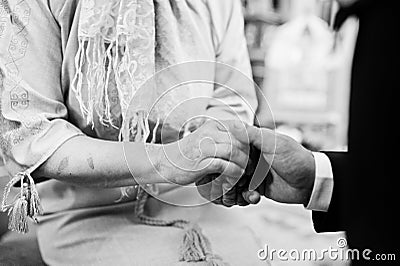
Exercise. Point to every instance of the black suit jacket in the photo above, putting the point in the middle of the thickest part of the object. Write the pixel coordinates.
(362, 202)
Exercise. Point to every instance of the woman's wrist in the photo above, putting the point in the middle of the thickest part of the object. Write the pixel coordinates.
(171, 164)
(163, 162)
(163, 165)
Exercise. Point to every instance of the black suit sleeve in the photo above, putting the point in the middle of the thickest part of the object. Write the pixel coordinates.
(331, 221)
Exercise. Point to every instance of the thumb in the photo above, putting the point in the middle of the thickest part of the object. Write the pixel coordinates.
(252, 197)
(262, 138)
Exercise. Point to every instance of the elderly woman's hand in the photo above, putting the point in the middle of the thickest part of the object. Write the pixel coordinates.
(230, 192)
(211, 149)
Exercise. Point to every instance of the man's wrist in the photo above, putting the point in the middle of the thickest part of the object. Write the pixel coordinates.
(308, 190)
(307, 195)
(323, 185)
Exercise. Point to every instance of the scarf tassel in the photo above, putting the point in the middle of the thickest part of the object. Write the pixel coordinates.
(196, 247)
(27, 203)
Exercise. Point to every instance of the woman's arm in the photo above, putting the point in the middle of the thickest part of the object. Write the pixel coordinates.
(99, 162)
(89, 162)
(36, 137)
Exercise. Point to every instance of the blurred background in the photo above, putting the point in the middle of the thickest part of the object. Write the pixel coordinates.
(302, 68)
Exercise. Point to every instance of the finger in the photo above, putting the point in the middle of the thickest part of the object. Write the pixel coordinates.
(241, 186)
(204, 186)
(229, 193)
(252, 197)
(240, 200)
(233, 154)
(262, 138)
(231, 169)
(225, 152)
(255, 197)
(227, 138)
(217, 201)
(243, 182)
(229, 131)
(245, 195)
(238, 129)
(220, 166)
(233, 132)
(230, 173)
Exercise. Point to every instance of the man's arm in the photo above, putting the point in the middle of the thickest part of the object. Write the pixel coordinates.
(297, 176)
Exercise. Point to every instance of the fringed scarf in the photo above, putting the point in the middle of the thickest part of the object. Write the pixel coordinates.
(122, 43)
(116, 51)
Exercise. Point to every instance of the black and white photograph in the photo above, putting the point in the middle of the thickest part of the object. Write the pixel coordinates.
(198, 132)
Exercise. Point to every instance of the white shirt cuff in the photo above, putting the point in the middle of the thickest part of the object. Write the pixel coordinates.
(323, 186)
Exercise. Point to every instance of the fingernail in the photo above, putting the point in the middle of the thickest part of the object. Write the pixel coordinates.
(254, 198)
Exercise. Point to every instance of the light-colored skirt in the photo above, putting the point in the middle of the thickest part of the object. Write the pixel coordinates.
(111, 235)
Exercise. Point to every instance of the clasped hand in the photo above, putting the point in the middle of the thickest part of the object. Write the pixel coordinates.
(215, 157)
(287, 170)
(221, 157)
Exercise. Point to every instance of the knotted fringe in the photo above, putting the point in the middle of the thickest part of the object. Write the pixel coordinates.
(26, 204)
(95, 65)
(195, 246)
(116, 55)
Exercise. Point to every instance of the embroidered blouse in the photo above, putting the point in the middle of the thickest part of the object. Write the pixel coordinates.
(38, 110)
